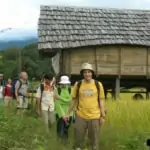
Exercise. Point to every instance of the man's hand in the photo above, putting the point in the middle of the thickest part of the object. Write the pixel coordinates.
(102, 120)
(66, 118)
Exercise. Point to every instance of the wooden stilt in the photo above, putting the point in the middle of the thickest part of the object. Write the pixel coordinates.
(117, 89)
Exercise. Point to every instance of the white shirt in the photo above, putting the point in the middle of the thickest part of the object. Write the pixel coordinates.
(1, 92)
(47, 102)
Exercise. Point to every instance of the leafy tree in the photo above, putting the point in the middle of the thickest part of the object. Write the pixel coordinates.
(13, 60)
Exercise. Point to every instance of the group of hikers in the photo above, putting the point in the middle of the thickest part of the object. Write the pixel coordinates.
(83, 104)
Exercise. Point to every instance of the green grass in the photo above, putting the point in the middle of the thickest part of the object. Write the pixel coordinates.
(127, 127)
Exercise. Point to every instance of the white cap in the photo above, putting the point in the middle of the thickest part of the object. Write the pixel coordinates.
(87, 66)
(64, 80)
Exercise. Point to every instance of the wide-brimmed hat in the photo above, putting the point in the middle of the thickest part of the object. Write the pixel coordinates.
(86, 66)
(64, 80)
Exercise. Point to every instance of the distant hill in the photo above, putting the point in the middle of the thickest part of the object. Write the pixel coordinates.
(17, 43)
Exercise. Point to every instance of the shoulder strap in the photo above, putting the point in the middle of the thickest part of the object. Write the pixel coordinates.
(59, 90)
(20, 84)
(69, 90)
(78, 88)
(42, 88)
(98, 90)
(77, 94)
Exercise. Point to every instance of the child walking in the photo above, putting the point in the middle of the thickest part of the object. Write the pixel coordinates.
(61, 106)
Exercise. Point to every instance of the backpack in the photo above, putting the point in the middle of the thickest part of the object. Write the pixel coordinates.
(13, 86)
(59, 90)
(97, 86)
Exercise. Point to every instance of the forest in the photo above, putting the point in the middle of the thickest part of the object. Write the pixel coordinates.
(14, 59)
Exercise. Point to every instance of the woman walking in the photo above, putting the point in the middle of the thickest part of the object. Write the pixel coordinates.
(61, 106)
(8, 94)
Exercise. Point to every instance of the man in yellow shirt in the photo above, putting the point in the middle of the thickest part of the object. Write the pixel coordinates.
(88, 95)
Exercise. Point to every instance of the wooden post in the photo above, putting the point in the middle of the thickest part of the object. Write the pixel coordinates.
(117, 88)
(147, 72)
(70, 64)
(147, 93)
(147, 75)
(96, 71)
(61, 62)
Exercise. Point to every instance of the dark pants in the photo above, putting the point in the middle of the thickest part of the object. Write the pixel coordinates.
(62, 128)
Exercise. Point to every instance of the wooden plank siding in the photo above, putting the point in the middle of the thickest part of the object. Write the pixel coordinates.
(133, 61)
(109, 60)
(80, 56)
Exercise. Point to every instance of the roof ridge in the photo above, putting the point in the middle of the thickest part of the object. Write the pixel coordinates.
(93, 7)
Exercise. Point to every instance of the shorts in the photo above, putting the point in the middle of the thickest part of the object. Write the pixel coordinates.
(7, 101)
(23, 102)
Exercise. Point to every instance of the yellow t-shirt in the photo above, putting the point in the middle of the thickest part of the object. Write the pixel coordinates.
(88, 106)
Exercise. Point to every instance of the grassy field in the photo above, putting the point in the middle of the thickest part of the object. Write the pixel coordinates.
(126, 128)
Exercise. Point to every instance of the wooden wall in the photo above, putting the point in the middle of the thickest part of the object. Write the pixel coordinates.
(109, 60)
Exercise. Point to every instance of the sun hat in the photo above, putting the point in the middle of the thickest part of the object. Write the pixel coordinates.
(64, 80)
(87, 66)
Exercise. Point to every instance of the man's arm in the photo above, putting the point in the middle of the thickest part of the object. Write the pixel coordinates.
(102, 107)
(102, 100)
(72, 106)
(16, 89)
(74, 100)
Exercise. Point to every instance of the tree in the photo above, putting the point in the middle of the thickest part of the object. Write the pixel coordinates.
(26, 59)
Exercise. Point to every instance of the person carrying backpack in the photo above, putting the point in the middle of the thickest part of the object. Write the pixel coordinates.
(22, 92)
(88, 95)
(45, 101)
(61, 107)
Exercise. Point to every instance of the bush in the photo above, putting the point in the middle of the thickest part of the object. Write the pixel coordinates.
(22, 132)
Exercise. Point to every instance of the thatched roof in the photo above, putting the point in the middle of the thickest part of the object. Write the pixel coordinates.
(71, 27)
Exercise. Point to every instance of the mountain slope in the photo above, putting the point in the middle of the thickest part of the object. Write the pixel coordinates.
(17, 37)
(17, 43)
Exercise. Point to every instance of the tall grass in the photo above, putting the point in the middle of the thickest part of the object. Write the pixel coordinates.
(127, 127)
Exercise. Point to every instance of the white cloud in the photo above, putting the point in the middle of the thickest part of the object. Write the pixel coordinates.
(25, 13)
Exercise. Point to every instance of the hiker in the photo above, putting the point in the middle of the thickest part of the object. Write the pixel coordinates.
(2, 85)
(88, 95)
(22, 92)
(45, 101)
(8, 93)
(61, 107)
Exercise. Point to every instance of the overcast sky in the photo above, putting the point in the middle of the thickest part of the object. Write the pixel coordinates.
(25, 13)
